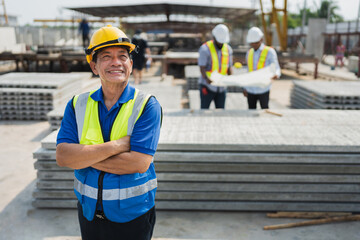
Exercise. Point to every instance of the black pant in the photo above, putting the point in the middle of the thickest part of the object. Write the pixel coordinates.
(140, 228)
(86, 40)
(263, 98)
(207, 96)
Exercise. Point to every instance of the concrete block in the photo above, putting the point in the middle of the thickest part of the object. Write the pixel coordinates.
(315, 37)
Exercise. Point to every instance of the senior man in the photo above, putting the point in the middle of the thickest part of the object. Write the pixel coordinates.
(109, 136)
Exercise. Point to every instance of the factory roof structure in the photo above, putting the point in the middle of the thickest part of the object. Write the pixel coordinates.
(196, 17)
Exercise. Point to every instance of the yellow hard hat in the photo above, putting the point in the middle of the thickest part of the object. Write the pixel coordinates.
(105, 37)
(238, 65)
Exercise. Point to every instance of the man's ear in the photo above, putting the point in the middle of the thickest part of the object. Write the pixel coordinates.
(93, 68)
(131, 62)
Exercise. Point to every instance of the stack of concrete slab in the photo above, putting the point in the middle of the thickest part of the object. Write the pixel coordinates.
(307, 160)
(326, 95)
(30, 96)
(192, 74)
(234, 100)
(55, 117)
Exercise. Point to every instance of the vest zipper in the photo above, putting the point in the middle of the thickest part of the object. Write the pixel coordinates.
(100, 190)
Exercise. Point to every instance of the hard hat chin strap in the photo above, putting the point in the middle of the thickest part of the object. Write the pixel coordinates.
(119, 40)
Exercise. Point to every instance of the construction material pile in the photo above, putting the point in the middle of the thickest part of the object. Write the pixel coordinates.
(326, 95)
(306, 160)
(234, 100)
(30, 96)
(55, 117)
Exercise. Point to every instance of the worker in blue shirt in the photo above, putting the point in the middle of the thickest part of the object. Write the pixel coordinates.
(109, 137)
(259, 56)
(84, 29)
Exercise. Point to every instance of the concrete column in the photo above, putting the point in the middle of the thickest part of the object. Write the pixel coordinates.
(315, 37)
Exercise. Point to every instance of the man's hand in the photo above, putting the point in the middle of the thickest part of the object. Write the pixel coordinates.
(208, 80)
(274, 78)
(122, 144)
(245, 93)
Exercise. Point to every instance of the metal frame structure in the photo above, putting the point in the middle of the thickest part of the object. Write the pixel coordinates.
(5, 15)
(281, 30)
(202, 12)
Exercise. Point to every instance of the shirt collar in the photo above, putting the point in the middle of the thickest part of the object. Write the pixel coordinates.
(262, 46)
(127, 95)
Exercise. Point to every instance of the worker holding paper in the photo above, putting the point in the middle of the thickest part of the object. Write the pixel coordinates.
(215, 56)
(258, 57)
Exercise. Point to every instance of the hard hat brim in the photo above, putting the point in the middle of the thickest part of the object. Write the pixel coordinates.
(90, 52)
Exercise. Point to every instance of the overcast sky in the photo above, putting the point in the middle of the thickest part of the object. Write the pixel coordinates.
(28, 10)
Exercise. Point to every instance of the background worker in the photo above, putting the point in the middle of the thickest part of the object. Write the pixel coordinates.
(340, 53)
(139, 57)
(259, 56)
(214, 55)
(84, 29)
(109, 136)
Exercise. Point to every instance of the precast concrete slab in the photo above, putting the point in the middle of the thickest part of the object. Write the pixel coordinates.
(258, 131)
(331, 89)
(233, 100)
(326, 95)
(198, 172)
(43, 91)
(40, 80)
(168, 95)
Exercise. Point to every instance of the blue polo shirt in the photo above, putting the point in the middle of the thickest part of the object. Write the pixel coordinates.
(145, 136)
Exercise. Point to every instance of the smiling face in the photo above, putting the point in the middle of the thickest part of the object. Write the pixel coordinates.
(113, 65)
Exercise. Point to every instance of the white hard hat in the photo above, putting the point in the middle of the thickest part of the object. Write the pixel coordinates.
(221, 33)
(254, 35)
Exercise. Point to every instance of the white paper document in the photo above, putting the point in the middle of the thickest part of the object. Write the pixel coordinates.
(259, 78)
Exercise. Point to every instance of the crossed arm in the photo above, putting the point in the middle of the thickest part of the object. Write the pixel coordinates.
(112, 157)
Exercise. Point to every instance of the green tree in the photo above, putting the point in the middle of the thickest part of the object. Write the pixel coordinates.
(295, 19)
(326, 7)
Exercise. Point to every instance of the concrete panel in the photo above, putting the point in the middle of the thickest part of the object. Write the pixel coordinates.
(7, 43)
(259, 187)
(245, 178)
(225, 206)
(242, 196)
(257, 206)
(184, 157)
(257, 131)
(315, 38)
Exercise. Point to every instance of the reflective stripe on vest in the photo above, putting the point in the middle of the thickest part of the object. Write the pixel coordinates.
(215, 58)
(115, 194)
(131, 188)
(261, 61)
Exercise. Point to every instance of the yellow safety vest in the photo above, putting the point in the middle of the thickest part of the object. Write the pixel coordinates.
(123, 197)
(262, 59)
(90, 132)
(215, 58)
